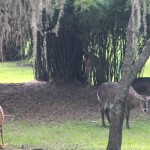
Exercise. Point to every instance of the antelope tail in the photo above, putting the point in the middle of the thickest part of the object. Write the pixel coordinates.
(98, 98)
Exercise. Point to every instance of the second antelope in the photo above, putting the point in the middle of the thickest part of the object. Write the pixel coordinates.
(106, 95)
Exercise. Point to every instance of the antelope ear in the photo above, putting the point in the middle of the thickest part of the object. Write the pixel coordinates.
(139, 96)
(148, 98)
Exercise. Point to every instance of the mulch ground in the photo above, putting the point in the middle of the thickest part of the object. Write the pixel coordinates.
(55, 101)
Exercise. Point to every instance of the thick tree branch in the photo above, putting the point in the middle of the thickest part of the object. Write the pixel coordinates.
(143, 57)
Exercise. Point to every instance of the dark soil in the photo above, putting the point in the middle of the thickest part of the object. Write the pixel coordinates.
(55, 101)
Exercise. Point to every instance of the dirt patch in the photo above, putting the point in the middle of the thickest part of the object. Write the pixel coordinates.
(55, 102)
(48, 101)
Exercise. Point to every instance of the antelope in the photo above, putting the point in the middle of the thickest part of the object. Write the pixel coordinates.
(106, 95)
(1, 123)
(93, 66)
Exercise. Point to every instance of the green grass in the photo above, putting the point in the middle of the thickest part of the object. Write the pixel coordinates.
(137, 138)
(85, 135)
(146, 72)
(15, 72)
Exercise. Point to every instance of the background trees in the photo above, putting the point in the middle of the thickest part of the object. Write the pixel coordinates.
(85, 28)
(29, 28)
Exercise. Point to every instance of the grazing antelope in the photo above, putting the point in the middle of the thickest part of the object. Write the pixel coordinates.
(1, 123)
(106, 95)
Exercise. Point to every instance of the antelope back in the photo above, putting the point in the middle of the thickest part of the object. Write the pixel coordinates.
(106, 94)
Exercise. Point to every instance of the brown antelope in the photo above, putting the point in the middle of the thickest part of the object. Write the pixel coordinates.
(1, 123)
(93, 67)
(106, 95)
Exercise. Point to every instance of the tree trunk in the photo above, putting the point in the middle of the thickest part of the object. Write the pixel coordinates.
(131, 67)
(117, 114)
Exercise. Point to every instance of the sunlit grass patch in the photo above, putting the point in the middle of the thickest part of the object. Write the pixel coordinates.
(146, 72)
(16, 72)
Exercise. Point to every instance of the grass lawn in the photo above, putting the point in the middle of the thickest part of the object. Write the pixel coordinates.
(74, 135)
(146, 72)
(15, 72)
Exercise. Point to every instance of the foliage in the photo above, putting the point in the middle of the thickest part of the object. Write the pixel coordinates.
(59, 31)
(82, 29)
(20, 21)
